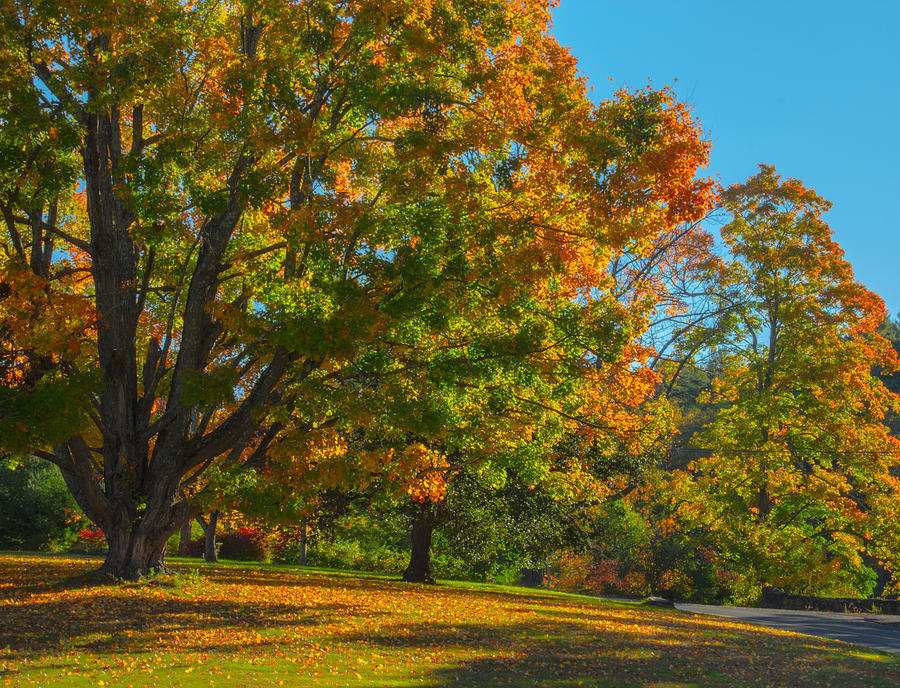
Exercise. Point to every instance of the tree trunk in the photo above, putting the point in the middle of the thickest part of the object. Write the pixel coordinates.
(132, 555)
(301, 557)
(210, 555)
(763, 504)
(184, 539)
(136, 537)
(419, 569)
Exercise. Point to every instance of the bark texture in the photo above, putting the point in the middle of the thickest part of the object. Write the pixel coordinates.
(301, 555)
(184, 539)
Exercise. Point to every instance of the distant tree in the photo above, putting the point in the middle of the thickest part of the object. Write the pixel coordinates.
(890, 330)
(797, 487)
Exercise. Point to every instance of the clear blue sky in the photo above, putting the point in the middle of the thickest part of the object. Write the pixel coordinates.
(810, 87)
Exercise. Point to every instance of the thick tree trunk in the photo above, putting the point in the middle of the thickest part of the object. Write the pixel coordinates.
(136, 537)
(133, 555)
(419, 569)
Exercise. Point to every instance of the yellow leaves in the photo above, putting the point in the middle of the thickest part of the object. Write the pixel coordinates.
(422, 472)
(36, 327)
(798, 442)
(413, 12)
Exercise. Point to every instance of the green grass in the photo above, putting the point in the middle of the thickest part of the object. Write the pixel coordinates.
(236, 624)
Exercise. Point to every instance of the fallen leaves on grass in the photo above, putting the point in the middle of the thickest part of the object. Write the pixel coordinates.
(297, 628)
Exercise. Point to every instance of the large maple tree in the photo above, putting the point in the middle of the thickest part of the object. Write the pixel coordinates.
(310, 238)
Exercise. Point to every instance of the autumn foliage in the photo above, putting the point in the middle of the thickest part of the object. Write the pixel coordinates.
(256, 254)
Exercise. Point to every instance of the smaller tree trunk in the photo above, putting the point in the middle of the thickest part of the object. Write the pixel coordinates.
(419, 569)
(763, 504)
(210, 555)
(184, 539)
(301, 556)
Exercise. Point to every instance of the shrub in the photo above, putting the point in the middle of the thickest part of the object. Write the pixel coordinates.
(244, 544)
(341, 553)
(36, 510)
(638, 553)
(285, 545)
(447, 566)
(91, 540)
(195, 548)
(569, 571)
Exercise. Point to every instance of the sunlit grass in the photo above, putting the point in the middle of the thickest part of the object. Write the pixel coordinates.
(244, 625)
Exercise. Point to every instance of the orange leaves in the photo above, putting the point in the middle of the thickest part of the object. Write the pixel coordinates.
(680, 155)
(34, 326)
(426, 469)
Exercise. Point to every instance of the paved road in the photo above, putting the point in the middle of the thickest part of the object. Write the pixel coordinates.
(881, 632)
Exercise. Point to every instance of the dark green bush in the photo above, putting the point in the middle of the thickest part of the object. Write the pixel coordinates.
(35, 507)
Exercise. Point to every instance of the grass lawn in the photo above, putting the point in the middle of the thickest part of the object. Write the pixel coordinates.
(247, 625)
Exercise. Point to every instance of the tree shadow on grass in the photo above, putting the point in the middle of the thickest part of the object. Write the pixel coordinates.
(112, 623)
(25, 573)
(594, 651)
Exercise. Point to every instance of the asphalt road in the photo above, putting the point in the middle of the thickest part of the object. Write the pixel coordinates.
(879, 631)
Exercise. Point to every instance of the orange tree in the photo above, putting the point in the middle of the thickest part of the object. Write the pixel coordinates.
(312, 241)
(797, 489)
